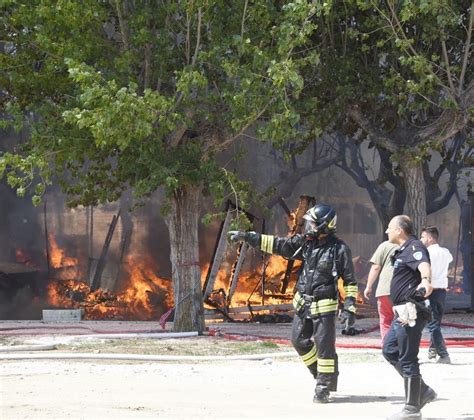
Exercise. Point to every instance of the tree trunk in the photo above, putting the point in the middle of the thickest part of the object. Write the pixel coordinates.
(416, 193)
(182, 224)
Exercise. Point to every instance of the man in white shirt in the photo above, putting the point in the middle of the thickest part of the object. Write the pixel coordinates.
(440, 259)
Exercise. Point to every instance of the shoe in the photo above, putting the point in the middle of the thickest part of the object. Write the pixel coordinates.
(427, 396)
(408, 412)
(432, 354)
(445, 360)
(321, 396)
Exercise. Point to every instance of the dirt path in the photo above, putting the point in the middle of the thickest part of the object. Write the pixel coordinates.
(368, 389)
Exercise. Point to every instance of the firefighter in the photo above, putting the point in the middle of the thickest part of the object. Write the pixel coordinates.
(325, 258)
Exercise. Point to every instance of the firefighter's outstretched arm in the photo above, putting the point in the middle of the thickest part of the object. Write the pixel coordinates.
(286, 247)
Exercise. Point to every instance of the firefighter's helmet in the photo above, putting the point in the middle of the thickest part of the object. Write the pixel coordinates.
(321, 218)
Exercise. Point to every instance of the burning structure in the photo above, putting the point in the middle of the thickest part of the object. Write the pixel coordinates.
(130, 286)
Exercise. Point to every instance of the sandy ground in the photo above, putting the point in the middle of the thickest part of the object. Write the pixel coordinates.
(273, 388)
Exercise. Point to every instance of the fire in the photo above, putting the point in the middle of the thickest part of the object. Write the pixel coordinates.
(146, 296)
(249, 282)
(57, 257)
(142, 282)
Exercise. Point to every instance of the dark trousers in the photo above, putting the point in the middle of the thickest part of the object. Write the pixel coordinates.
(401, 346)
(317, 336)
(437, 300)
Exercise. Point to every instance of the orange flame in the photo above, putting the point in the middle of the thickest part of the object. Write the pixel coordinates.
(247, 282)
(145, 297)
(57, 255)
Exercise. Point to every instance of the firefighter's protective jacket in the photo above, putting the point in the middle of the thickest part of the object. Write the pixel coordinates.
(324, 261)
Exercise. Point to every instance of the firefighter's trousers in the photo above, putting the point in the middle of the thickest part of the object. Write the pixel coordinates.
(315, 341)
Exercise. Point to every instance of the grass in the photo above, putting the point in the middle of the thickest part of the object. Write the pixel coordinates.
(198, 346)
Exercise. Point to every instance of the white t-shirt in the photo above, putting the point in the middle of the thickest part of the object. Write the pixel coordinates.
(440, 258)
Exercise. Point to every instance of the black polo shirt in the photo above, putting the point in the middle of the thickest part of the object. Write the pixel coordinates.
(406, 277)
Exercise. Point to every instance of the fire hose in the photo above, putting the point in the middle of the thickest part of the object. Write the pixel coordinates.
(450, 341)
(141, 357)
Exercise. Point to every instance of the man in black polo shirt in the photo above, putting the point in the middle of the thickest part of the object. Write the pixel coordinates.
(411, 284)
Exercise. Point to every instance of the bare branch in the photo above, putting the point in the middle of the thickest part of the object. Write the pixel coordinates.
(198, 37)
(377, 136)
(467, 49)
(448, 67)
(242, 25)
(285, 185)
(187, 46)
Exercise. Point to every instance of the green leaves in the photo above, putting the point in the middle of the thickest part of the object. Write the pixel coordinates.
(115, 116)
(189, 80)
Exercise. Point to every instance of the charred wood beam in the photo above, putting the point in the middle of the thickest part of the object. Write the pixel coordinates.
(219, 250)
(95, 284)
(284, 206)
(220, 247)
(305, 203)
(236, 271)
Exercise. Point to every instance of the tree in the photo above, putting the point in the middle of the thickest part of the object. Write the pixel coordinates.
(384, 182)
(146, 94)
(400, 72)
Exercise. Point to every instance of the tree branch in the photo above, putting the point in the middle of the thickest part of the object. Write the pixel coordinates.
(287, 181)
(377, 136)
(187, 47)
(448, 67)
(242, 25)
(445, 127)
(123, 25)
(467, 49)
(198, 37)
(230, 140)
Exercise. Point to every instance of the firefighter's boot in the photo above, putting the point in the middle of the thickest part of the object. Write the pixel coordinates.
(427, 394)
(332, 385)
(321, 395)
(412, 400)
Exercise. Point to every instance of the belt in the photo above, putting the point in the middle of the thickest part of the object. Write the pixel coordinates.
(439, 288)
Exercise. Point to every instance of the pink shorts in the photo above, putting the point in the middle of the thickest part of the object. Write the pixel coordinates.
(384, 307)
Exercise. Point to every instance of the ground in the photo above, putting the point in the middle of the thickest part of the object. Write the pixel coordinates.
(277, 386)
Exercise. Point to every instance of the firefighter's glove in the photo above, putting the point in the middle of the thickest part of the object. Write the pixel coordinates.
(237, 236)
(347, 318)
